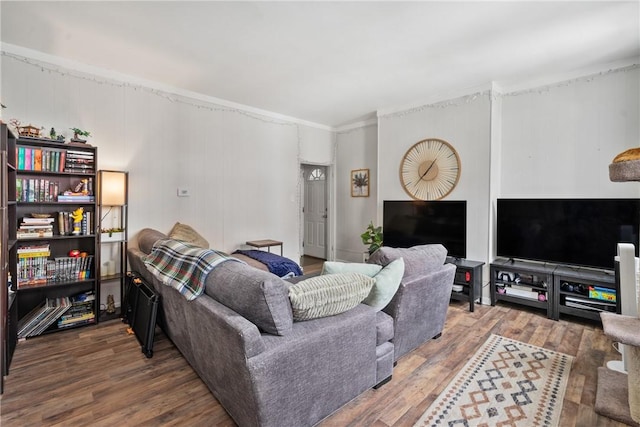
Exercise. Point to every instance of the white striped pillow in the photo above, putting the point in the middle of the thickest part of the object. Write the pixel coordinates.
(328, 294)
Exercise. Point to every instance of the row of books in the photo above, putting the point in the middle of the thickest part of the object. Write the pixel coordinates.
(36, 190)
(38, 228)
(65, 312)
(79, 161)
(82, 311)
(35, 228)
(38, 270)
(66, 223)
(40, 159)
(54, 160)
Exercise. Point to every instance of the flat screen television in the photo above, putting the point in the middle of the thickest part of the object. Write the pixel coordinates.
(582, 232)
(409, 223)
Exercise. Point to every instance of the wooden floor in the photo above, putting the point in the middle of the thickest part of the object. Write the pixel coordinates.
(311, 264)
(97, 375)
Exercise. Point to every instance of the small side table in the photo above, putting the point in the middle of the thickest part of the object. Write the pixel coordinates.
(468, 275)
(267, 243)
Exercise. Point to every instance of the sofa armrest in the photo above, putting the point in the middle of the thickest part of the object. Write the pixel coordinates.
(419, 308)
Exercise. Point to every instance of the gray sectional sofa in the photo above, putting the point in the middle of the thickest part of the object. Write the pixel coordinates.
(267, 369)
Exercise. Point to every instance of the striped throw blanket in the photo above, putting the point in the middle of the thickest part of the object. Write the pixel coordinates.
(183, 266)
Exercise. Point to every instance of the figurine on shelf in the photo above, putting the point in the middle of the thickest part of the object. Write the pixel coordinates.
(77, 220)
(111, 305)
(29, 131)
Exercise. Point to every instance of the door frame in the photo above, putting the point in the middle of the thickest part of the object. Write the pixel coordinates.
(330, 195)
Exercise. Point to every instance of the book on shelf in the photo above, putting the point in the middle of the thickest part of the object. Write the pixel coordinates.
(65, 223)
(33, 270)
(36, 190)
(78, 161)
(34, 234)
(43, 316)
(81, 311)
(76, 198)
(37, 221)
(73, 268)
(40, 159)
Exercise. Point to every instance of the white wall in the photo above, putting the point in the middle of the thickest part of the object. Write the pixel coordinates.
(558, 141)
(356, 149)
(242, 168)
(463, 122)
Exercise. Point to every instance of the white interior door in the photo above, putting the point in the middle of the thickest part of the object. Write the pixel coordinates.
(315, 211)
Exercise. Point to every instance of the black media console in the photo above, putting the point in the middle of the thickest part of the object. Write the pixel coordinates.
(556, 289)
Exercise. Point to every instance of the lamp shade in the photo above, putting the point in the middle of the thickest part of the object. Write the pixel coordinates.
(112, 188)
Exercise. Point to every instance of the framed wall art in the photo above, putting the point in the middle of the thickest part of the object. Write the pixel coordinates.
(360, 183)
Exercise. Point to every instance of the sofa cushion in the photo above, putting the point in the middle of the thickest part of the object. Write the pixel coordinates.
(188, 234)
(387, 278)
(384, 327)
(147, 237)
(333, 267)
(329, 294)
(387, 284)
(258, 296)
(417, 259)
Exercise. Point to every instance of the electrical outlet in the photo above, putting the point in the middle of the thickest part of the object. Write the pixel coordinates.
(183, 192)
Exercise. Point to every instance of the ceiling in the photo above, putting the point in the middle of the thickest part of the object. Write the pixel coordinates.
(329, 63)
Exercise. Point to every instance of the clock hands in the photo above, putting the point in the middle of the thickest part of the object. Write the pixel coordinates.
(415, 184)
(428, 169)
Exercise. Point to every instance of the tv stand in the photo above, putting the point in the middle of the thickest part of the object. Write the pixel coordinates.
(522, 282)
(557, 289)
(469, 276)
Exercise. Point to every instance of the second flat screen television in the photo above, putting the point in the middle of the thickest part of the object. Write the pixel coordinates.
(409, 223)
(566, 231)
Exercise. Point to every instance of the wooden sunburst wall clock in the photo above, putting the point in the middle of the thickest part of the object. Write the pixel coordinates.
(430, 169)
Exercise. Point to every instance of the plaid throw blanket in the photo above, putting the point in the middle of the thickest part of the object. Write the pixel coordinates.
(182, 266)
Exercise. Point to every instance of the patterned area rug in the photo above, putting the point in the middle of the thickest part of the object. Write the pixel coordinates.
(506, 383)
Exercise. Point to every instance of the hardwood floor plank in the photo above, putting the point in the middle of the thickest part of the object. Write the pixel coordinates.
(98, 376)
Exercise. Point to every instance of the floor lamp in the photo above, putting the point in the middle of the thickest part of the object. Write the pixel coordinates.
(621, 384)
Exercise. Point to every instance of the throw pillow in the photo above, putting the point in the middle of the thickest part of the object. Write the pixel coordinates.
(329, 294)
(387, 284)
(417, 259)
(186, 233)
(333, 267)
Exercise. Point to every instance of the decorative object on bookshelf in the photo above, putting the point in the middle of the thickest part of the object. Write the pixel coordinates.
(111, 305)
(77, 220)
(77, 133)
(29, 131)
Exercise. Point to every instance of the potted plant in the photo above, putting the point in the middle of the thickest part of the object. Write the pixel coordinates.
(77, 133)
(372, 236)
(112, 234)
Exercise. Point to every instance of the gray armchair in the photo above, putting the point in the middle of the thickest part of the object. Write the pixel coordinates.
(419, 307)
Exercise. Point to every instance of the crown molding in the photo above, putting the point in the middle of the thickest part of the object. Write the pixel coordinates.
(112, 75)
